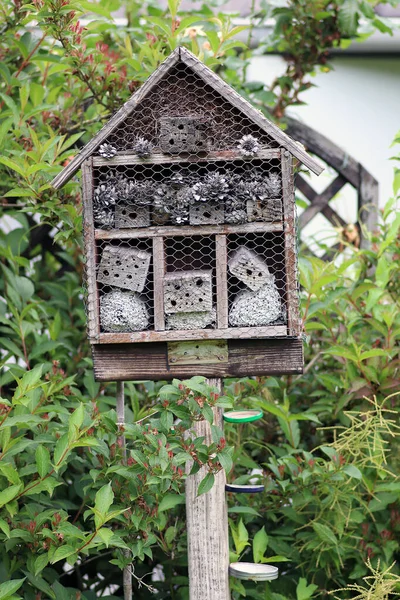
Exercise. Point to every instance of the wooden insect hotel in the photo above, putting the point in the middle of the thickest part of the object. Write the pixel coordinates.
(190, 240)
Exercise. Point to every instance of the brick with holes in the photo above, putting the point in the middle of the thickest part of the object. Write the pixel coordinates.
(264, 210)
(206, 213)
(248, 267)
(188, 292)
(124, 267)
(130, 215)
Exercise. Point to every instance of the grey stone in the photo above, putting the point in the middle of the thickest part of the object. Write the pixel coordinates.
(124, 267)
(256, 309)
(249, 268)
(182, 134)
(206, 213)
(123, 312)
(188, 292)
(192, 320)
(130, 215)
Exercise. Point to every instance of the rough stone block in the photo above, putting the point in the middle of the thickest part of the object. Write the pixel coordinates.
(130, 215)
(124, 267)
(264, 210)
(249, 268)
(182, 134)
(192, 320)
(206, 213)
(256, 309)
(123, 312)
(188, 292)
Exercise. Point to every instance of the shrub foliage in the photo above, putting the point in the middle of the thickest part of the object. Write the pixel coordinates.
(74, 509)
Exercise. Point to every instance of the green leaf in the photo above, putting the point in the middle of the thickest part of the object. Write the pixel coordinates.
(75, 423)
(62, 552)
(247, 510)
(40, 563)
(169, 501)
(42, 456)
(8, 588)
(9, 494)
(61, 450)
(106, 535)
(260, 544)
(348, 17)
(206, 484)
(352, 471)
(304, 591)
(325, 534)
(225, 460)
(5, 528)
(103, 500)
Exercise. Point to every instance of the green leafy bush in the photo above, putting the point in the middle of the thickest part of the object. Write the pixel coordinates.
(73, 509)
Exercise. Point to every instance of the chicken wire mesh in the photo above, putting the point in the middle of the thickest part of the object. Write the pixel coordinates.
(183, 94)
(189, 170)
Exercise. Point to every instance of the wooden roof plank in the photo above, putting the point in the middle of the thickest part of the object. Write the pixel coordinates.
(209, 77)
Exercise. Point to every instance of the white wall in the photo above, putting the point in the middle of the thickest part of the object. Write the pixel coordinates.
(356, 106)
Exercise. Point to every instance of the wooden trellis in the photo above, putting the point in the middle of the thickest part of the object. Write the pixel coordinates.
(349, 171)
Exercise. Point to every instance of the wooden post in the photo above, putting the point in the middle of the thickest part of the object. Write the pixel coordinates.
(207, 526)
(127, 572)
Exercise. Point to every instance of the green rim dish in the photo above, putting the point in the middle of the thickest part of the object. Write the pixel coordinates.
(243, 416)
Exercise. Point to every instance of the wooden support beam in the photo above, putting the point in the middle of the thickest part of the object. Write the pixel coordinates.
(207, 525)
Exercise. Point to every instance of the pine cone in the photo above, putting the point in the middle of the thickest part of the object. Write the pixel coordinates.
(103, 217)
(142, 147)
(107, 151)
(212, 188)
(249, 145)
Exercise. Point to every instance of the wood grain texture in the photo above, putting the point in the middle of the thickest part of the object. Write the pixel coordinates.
(129, 362)
(368, 202)
(221, 259)
(320, 202)
(93, 316)
(186, 230)
(160, 158)
(207, 525)
(192, 334)
(289, 211)
(158, 295)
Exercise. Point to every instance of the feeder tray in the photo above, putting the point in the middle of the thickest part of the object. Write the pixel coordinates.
(253, 571)
(243, 489)
(243, 416)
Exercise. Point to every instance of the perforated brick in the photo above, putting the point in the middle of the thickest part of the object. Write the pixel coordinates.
(124, 267)
(249, 268)
(187, 292)
(132, 216)
(206, 213)
(182, 134)
(264, 210)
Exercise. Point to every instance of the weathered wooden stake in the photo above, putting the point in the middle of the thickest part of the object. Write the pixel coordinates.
(127, 572)
(207, 526)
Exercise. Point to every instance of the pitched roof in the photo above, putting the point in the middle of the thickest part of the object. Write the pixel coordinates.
(209, 77)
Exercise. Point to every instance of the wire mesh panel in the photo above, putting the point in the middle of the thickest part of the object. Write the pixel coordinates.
(223, 237)
(190, 230)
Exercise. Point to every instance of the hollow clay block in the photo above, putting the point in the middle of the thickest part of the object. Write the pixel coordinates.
(253, 309)
(187, 292)
(192, 320)
(249, 268)
(131, 216)
(264, 210)
(206, 213)
(123, 312)
(124, 267)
